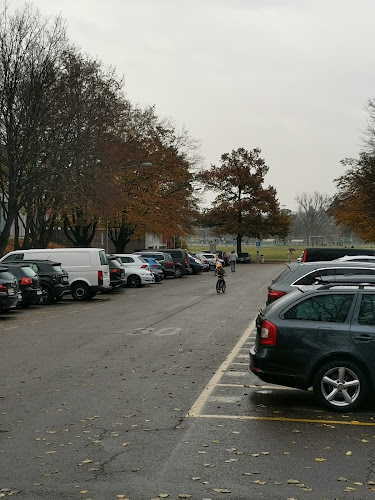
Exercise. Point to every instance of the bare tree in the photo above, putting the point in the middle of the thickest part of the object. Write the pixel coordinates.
(30, 51)
(312, 217)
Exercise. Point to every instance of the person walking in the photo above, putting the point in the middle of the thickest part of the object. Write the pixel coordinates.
(232, 260)
(289, 256)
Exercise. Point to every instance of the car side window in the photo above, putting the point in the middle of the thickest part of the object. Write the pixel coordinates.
(333, 308)
(34, 267)
(366, 314)
(127, 260)
(309, 279)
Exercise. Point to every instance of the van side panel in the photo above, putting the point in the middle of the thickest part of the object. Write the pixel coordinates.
(315, 254)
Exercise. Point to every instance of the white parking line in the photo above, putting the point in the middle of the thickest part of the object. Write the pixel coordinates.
(198, 405)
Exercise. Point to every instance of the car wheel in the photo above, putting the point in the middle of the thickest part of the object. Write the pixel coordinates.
(341, 385)
(134, 281)
(178, 272)
(47, 296)
(92, 295)
(80, 291)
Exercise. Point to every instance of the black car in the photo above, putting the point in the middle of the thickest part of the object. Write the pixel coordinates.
(116, 272)
(28, 282)
(53, 279)
(8, 290)
(322, 338)
(244, 258)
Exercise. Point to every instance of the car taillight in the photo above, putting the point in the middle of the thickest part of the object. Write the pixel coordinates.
(169, 264)
(115, 270)
(26, 281)
(144, 266)
(100, 277)
(154, 265)
(274, 294)
(186, 263)
(304, 256)
(268, 333)
(3, 288)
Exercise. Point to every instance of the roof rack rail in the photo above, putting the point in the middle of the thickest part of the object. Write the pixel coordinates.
(345, 279)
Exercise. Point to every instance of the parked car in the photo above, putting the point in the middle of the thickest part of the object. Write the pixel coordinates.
(180, 258)
(8, 290)
(164, 258)
(357, 258)
(116, 272)
(155, 268)
(28, 283)
(53, 279)
(87, 268)
(324, 338)
(137, 270)
(195, 264)
(244, 258)
(304, 275)
(211, 258)
(223, 256)
(205, 263)
(311, 254)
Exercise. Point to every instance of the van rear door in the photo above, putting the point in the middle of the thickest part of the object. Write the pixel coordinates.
(104, 270)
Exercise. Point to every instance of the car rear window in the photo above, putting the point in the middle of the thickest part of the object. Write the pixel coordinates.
(6, 275)
(58, 269)
(282, 275)
(27, 271)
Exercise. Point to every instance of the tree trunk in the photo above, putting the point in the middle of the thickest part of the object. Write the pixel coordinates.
(239, 243)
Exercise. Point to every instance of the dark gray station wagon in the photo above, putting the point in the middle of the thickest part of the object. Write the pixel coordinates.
(324, 338)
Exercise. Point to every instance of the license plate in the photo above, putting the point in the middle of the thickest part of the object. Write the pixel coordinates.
(10, 291)
(39, 292)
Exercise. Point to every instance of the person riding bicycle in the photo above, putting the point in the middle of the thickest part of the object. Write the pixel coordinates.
(219, 271)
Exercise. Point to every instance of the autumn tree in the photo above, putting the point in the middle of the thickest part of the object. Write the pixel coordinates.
(353, 207)
(243, 206)
(157, 199)
(30, 55)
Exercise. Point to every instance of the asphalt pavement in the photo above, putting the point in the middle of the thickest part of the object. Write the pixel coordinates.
(146, 394)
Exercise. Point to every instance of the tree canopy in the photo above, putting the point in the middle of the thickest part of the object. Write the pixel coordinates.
(243, 206)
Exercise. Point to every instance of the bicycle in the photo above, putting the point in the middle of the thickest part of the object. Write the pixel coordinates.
(220, 284)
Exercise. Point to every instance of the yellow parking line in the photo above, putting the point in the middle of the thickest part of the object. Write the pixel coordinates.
(197, 406)
(282, 419)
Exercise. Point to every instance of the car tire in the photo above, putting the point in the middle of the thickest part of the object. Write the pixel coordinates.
(80, 291)
(341, 385)
(134, 281)
(47, 295)
(178, 272)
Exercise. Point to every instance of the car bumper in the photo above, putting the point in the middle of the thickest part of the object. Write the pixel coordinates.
(275, 368)
(8, 301)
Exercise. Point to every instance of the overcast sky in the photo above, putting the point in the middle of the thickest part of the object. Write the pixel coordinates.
(291, 77)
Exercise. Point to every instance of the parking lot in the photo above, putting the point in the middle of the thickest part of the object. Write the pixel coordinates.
(147, 393)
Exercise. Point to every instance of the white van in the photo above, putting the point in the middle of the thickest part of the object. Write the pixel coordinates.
(87, 268)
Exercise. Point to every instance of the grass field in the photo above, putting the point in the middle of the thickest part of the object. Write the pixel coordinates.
(270, 253)
(275, 253)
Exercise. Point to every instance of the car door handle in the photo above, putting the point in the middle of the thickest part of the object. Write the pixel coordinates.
(364, 337)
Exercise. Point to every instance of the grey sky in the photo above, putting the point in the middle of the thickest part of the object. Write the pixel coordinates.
(289, 76)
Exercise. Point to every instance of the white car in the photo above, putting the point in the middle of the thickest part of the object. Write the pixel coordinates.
(211, 258)
(137, 270)
(357, 258)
